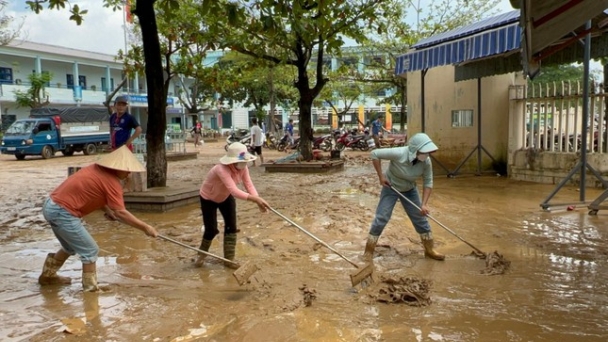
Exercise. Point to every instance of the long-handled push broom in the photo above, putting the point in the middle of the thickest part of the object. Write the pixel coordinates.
(478, 252)
(363, 276)
(242, 274)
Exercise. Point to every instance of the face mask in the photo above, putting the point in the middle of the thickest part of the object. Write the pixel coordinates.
(422, 156)
(241, 166)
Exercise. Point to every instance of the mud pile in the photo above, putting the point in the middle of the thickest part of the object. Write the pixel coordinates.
(308, 295)
(496, 264)
(402, 290)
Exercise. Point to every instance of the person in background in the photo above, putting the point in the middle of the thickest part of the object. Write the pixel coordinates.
(197, 133)
(289, 131)
(219, 191)
(407, 164)
(97, 186)
(378, 127)
(121, 124)
(257, 140)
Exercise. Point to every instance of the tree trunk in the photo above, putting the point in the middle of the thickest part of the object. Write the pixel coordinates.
(605, 88)
(273, 104)
(157, 97)
(305, 117)
(305, 126)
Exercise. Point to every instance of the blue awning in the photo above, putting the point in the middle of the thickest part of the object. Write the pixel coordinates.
(492, 36)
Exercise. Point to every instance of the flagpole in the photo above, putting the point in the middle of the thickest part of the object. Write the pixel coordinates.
(127, 8)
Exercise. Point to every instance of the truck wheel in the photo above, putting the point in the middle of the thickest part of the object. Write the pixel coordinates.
(19, 156)
(69, 151)
(90, 149)
(47, 152)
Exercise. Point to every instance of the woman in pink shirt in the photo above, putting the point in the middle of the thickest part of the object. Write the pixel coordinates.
(219, 191)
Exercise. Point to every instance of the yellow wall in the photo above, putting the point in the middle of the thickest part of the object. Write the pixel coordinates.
(442, 95)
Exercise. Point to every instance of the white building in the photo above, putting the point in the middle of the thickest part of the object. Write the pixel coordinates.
(80, 78)
(84, 78)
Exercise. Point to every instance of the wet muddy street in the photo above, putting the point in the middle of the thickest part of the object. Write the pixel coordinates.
(555, 290)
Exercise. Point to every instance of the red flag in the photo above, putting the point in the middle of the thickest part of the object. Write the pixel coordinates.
(128, 11)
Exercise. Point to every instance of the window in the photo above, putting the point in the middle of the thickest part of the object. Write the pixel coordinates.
(462, 118)
(104, 84)
(6, 75)
(44, 127)
(69, 80)
(82, 81)
(350, 61)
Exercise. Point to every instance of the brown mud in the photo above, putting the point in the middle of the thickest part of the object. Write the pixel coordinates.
(402, 290)
(554, 290)
(496, 264)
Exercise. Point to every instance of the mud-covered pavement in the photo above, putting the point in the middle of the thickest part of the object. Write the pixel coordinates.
(556, 288)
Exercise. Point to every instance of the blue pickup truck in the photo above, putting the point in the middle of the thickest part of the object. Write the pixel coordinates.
(51, 130)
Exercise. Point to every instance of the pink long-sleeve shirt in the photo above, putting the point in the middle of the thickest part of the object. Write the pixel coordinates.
(222, 181)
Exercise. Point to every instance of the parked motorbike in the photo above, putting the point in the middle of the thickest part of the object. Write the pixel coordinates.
(270, 141)
(352, 140)
(284, 143)
(241, 135)
(324, 143)
(237, 134)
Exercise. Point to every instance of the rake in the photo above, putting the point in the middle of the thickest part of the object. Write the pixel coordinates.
(242, 274)
(363, 273)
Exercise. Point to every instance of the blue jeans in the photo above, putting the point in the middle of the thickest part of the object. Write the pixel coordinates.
(71, 233)
(388, 198)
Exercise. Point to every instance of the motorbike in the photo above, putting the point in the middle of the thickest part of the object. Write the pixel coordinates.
(237, 134)
(284, 143)
(240, 135)
(324, 143)
(353, 140)
(270, 141)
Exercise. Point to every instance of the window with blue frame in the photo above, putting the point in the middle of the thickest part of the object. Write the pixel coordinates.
(69, 80)
(6, 75)
(82, 81)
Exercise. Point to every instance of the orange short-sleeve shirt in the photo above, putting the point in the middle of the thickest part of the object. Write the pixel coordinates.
(88, 190)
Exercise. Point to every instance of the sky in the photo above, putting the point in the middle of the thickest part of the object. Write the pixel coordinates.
(102, 30)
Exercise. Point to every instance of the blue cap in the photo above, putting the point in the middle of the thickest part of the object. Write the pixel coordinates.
(122, 99)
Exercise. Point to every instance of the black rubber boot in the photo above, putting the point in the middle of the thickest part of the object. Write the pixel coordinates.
(205, 245)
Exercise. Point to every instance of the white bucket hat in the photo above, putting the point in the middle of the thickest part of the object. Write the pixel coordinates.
(121, 159)
(237, 153)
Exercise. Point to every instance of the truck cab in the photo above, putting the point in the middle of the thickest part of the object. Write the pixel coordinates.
(30, 137)
(51, 130)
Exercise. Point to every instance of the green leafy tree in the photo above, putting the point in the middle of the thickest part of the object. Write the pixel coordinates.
(144, 10)
(35, 96)
(341, 92)
(256, 83)
(292, 32)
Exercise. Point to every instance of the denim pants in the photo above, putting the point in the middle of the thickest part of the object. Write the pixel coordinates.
(71, 233)
(388, 198)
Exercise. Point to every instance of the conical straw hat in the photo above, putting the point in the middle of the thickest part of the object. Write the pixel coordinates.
(121, 159)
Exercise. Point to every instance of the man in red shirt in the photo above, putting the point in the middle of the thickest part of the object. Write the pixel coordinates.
(97, 186)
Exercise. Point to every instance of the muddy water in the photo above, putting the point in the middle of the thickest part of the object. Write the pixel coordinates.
(555, 290)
